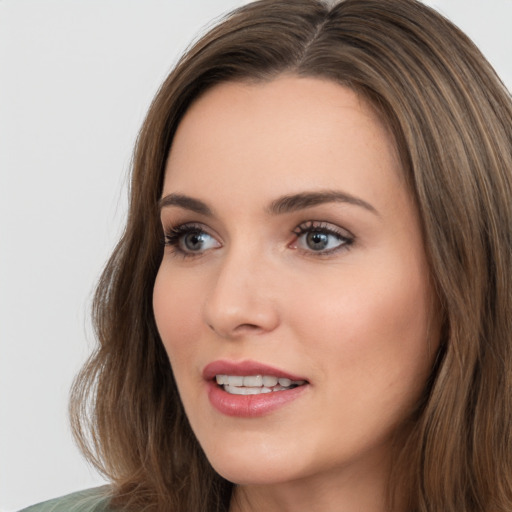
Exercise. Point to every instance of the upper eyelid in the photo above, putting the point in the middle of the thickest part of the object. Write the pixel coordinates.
(183, 227)
(321, 225)
(311, 224)
(168, 225)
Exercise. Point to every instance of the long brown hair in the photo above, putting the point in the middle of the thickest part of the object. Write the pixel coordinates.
(452, 122)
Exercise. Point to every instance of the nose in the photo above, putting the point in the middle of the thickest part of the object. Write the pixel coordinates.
(241, 300)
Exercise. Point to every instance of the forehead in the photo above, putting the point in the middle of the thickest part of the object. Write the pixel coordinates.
(280, 136)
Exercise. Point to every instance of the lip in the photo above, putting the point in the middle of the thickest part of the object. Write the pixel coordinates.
(248, 406)
(225, 367)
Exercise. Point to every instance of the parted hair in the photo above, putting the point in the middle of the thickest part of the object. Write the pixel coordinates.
(451, 118)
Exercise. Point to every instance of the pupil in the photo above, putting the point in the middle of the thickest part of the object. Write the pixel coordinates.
(317, 241)
(194, 241)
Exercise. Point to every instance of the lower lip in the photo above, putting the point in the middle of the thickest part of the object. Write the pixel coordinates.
(251, 406)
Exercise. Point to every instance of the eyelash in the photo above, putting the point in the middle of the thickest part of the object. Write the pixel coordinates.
(324, 228)
(173, 237)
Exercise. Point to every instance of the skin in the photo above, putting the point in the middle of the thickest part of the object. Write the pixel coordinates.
(355, 322)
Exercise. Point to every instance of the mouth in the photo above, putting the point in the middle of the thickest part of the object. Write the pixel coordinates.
(251, 389)
(255, 384)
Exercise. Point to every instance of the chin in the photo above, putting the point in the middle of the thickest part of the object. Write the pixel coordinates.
(247, 473)
(256, 464)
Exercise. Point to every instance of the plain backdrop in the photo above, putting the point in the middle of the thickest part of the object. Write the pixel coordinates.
(76, 77)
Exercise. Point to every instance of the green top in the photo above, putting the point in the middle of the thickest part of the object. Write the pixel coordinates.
(90, 500)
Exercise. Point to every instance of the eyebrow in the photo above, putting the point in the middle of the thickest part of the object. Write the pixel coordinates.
(281, 205)
(185, 202)
(294, 202)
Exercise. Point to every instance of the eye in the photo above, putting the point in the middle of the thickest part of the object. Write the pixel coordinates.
(321, 237)
(190, 240)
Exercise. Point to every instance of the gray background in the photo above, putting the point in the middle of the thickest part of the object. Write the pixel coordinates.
(76, 78)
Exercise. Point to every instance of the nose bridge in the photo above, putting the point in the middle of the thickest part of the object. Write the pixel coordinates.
(240, 298)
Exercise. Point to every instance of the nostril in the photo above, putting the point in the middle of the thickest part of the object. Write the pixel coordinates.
(241, 327)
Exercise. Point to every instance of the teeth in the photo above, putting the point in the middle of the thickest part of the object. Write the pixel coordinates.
(270, 381)
(253, 381)
(240, 390)
(255, 384)
(235, 380)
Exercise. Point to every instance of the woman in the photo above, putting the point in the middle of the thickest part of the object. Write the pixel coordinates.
(309, 306)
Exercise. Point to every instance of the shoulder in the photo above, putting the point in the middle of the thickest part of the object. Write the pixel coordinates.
(90, 500)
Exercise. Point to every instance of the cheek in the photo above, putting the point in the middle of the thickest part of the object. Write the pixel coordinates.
(371, 329)
(177, 315)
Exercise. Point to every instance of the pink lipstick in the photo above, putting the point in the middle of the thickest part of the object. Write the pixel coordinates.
(250, 389)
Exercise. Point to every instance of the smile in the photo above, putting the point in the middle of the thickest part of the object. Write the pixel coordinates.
(255, 384)
(251, 389)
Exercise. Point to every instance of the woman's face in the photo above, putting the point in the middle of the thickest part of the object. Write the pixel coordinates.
(295, 273)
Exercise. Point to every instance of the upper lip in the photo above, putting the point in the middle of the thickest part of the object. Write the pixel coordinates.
(244, 368)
